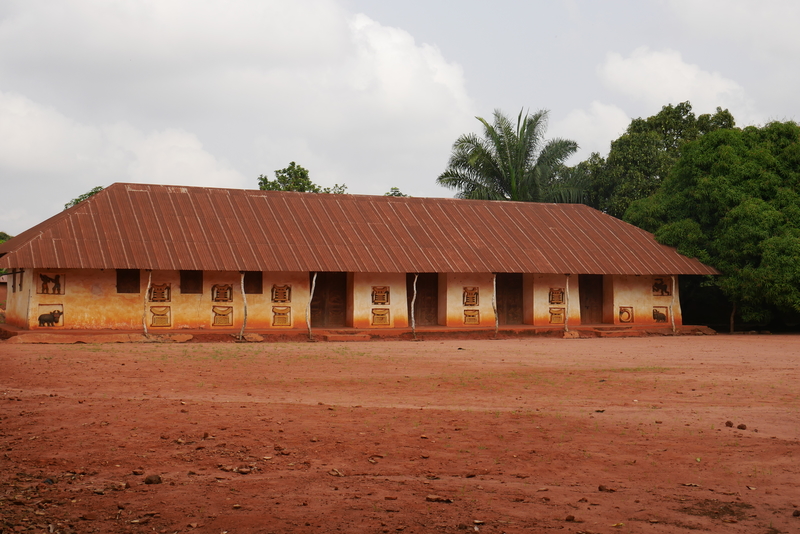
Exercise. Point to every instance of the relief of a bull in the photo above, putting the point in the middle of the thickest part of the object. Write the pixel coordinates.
(50, 319)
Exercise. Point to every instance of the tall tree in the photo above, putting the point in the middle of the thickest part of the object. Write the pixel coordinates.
(733, 201)
(77, 200)
(510, 162)
(641, 158)
(4, 237)
(296, 178)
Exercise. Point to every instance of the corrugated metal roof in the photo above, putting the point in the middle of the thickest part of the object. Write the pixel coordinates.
(136, 226)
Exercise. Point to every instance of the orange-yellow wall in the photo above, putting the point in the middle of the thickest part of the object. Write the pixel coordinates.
(17, 300)
(359, 299)
(540, 285)
(90, 300)
(192, 311)
(451, 298)
(259, 307)
(637, 292)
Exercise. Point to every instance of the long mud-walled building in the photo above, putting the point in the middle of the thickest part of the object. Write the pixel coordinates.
(165, 258)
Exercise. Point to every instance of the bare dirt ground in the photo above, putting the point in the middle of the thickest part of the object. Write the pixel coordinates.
(534, 435)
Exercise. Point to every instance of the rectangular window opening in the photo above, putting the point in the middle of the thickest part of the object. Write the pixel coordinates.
(254, 282)
(192, 282)
(128, 281)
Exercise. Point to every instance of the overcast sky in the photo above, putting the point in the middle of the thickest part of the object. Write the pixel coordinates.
(371, 94)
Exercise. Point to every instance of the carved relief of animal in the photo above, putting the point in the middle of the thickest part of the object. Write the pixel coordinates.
(660, 288)
(50, 319)
(660, 317)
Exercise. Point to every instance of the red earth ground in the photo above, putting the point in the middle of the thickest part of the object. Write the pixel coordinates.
(529, 435)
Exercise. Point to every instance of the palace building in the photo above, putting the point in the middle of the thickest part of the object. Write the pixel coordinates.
(159, 258)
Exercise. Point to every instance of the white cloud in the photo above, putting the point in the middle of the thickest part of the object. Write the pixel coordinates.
(593, 129)
(214, 93)
(660, 77)
(47, 158)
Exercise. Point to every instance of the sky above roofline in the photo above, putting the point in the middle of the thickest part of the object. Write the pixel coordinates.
(369, 94)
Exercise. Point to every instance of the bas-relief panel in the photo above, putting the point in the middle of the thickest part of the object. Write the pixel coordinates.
(281, 316)
(660, 288)
(381, 317)
(380, 295)
(51, 284)
(160, 293)
(557, 315)
(222, 293)
(281, 294)
(223, 316)
(51, 315)
(472, 317)
(661, 314)
(645, 300)
(556, 295)
(160, 316)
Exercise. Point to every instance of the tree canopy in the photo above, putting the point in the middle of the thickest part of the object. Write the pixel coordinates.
(394, 192)
(296, 178)
(4, 237)
(733, 201)
(641, 158)
(83, 197)
(510, 162)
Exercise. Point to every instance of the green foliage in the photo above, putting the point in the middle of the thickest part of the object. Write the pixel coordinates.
(394, 192)
(510, 162)
(3, 238)
(642, 157)
(296, 178)
(733, 201)
(78, 200)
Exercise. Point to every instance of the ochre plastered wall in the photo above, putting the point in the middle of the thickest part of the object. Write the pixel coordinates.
(260, 307)
(89, 300)
(451, 298)
(636, 293)
(193, 311)
(360, 304)
(18, 300)
(541, 286)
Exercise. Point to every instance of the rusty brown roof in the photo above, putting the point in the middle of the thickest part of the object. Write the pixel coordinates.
(159, 227)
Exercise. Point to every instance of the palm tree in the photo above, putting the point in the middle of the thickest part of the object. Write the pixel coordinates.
(510, 163)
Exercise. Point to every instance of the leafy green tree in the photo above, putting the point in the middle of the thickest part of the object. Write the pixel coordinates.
(78, 200)
(733, 201)
(296, 178)
(395, 192)
(510, 162)
(642, 157)
(3, 238)
(335, 190)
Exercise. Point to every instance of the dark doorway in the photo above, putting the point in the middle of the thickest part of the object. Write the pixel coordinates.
(509, 298)
(426, 307)
(591, 290)
(329, 305)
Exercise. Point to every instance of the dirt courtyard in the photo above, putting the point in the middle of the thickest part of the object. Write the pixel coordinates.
(529, 435)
